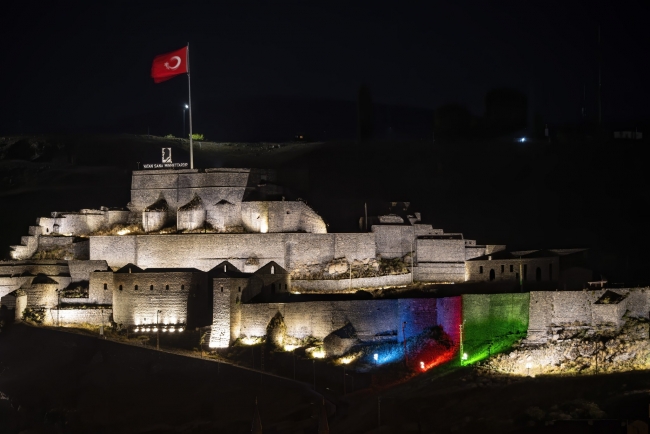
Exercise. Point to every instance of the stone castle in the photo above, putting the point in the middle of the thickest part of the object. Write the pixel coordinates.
(223, 249)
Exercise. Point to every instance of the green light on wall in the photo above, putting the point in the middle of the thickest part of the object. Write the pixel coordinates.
(491, 324)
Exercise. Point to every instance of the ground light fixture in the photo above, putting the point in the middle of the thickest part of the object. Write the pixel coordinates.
(465, 356)
(422, 365)
(375, 357)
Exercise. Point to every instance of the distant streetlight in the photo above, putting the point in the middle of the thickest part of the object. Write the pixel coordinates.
(185, 107)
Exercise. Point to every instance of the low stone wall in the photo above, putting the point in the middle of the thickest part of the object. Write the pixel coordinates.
(439, 272)
(567, 309)
(72, 317)
(372, 319)
(342, 285)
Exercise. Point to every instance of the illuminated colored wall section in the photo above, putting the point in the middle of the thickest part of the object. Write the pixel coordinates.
(431, 328)
(492, 323)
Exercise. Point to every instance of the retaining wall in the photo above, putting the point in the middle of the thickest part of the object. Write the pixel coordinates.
(492, 323)
(342, 285)
(72, 317)
(204, 251)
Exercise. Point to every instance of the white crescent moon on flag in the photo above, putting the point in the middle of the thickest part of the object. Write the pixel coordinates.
(178, 63)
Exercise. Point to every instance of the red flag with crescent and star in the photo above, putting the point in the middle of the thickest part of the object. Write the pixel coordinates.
(169, 65)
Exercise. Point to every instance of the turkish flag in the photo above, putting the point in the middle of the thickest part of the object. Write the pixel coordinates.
(169, 65)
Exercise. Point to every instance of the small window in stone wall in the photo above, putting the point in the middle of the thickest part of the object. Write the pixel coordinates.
(120, 287)
(480, 269)
(512, 268)
(105, 286)
(222, 289)
(151, 288)
(136, 287)
(503, 268)
(182, 287)
(167, 287)
(239, 289)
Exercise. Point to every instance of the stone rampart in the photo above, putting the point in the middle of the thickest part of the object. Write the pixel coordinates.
(440, 250)
(205, 251)
(439, 272)
(73, 317)
(575, 309)
(165, 292)
(393, 241)
(80, 270)
(492, 323)
(343, 285)
(373, 320)
(509, 269)
(101, 287)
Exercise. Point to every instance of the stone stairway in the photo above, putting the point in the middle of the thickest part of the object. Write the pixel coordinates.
(28, 244)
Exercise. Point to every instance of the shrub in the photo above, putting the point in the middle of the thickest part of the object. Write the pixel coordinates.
(170, 136)
(34, 315)
(197, 137)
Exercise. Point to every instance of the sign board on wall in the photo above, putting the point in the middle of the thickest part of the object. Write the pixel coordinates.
(166, 163)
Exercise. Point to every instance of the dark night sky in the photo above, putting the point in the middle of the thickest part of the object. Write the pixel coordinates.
(70, 66)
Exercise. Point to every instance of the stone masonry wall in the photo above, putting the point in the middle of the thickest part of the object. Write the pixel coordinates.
(440, 250)
(342, 285)
(204, 251)
(72, 317)
(439, 272)
(549, 267)
(135, 307)
(372, 320)
(550, 309)
(101, 287)
(393, 241)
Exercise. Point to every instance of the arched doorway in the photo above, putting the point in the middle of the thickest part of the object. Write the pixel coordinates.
(492, 274)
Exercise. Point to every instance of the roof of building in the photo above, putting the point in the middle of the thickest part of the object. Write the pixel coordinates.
(130, 268)
(227, 270)
(266, 269)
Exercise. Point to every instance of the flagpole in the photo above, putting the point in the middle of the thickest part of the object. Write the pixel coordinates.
(189, 90)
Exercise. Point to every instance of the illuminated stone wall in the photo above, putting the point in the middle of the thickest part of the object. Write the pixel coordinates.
(81, 223)
(492, 323)
(204, 251)
(178, 187)
(44, 295)
(80, 270)
(72, 317)
(393, 241)
(190, 219)
(342, 285)
(439, 272)
(14, 274)
(21, 304)
(226, 310)
(373, 320)
(474, 274)
(574, 309)
(101, 287)
(440, 250)
(422, 313)
(136, 307)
